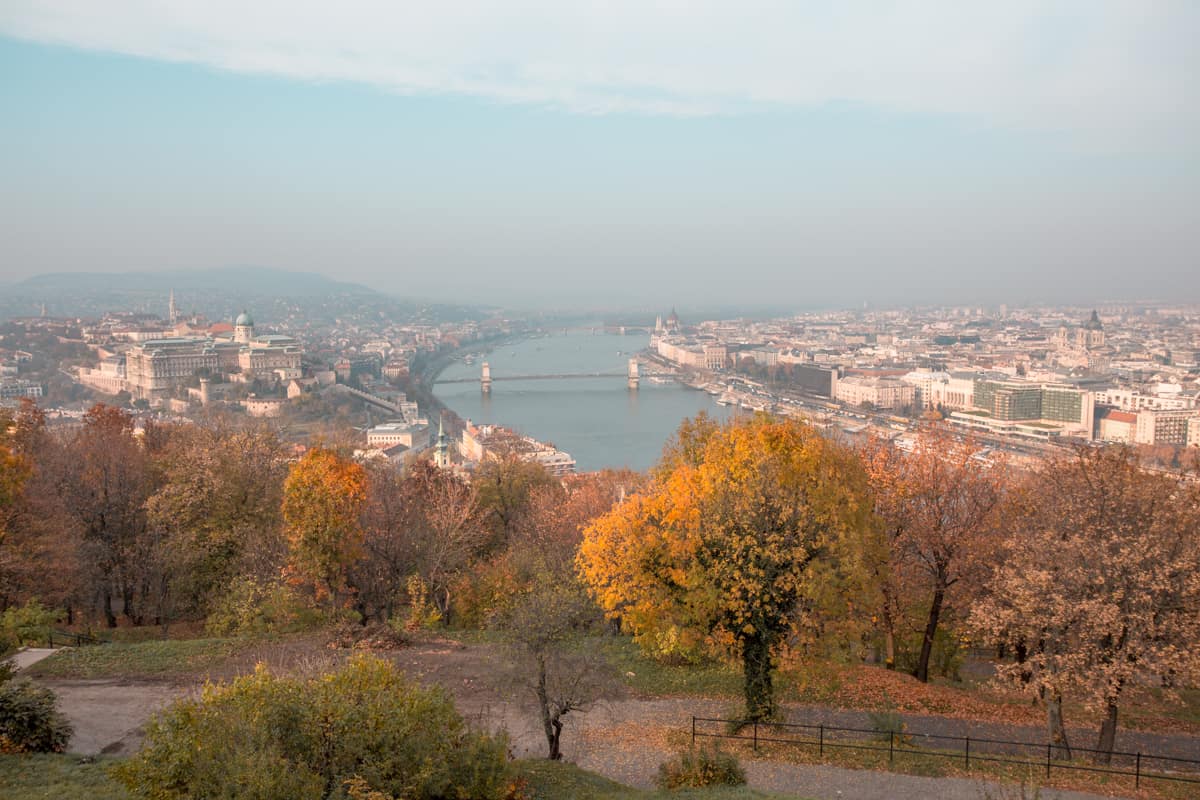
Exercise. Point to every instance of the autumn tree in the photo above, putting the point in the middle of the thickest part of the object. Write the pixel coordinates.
(322, 499)
(505, 488)
(1100, 584)
(105, 480)
(218, 507)
(427, 523)
(940, 508)
(14, 471)
(552, 527)
(39, 556)
(556, 666)
(719, 547)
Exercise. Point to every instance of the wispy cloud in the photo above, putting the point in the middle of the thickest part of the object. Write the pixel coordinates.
(1123, 70)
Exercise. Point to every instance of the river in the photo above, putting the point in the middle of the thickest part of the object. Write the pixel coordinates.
(599, 421)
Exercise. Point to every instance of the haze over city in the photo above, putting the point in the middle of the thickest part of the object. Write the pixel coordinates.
(634, 154)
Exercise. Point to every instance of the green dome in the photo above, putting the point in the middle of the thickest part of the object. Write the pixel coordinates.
(244, 319)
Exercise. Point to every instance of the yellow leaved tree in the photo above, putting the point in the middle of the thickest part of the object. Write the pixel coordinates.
(323, 497)
(721, 546)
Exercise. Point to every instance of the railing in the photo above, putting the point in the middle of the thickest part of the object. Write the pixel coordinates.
(966, 749)
(69, 639)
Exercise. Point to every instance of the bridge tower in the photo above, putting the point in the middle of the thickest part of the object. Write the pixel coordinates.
(485, 381)
(633, 374)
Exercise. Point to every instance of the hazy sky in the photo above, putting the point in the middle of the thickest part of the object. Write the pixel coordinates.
(624, 152)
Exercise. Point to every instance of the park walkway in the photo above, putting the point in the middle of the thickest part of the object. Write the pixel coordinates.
(29, 656)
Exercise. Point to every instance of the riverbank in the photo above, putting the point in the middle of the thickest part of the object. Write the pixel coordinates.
(420, 387)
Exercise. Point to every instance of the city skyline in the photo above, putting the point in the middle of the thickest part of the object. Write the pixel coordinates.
(1018, 155)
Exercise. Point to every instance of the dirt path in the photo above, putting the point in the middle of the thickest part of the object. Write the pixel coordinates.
(28, 656)
(108, 715)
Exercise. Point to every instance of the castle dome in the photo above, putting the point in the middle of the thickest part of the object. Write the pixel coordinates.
(244, 319)
(1094, 323)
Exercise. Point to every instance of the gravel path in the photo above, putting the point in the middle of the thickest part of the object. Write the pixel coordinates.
(28, 656)
(590, 743)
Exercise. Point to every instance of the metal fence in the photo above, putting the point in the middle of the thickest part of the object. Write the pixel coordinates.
(68, 639)
(965, 749)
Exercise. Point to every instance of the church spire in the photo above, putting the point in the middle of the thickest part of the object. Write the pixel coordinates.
(441, 455)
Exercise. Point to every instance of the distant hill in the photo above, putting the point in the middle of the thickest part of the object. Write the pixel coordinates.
(232, 280)
(216, 293)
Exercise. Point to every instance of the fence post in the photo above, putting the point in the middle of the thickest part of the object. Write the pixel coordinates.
(693, 730)
(891, 751)
(756, 736)
(1047, 759)
(967, 752)
(1137, 771)
(821, 739)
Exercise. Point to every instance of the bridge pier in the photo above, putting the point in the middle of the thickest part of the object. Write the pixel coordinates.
(485, 380)
(634, 379)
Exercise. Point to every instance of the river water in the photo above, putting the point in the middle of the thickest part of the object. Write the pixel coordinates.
(597, 420)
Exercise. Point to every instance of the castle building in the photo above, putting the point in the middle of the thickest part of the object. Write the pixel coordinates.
(243, 328)
(155, 368)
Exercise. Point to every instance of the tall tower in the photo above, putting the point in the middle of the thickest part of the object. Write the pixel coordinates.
(243, 328)
(441, 454)
(172, 314)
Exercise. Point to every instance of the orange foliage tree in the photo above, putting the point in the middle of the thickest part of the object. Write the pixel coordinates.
(323, 496)
(14, 470)
(1101, 585)
(719, 546)
(940, 509)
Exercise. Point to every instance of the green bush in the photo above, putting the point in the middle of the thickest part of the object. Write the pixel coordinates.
(945, 659)
(699, 767)
(254, 608)
(887, 721)
(364, 727)
(29, 720)
(27, 625)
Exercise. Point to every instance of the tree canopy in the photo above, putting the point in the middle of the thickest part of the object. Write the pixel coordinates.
(718, 549)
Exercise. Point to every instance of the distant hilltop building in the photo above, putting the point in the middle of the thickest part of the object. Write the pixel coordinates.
(154, 369)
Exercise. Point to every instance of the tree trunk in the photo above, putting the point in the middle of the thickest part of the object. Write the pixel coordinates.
(756, 670)
(128, 607)
(921, 673)
(1108, 734)
(551, 726)
(889, 635)
(110, 619)
(1058, 731)
(555, 752)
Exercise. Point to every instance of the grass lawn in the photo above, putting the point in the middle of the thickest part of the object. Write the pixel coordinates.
(647, 676)
(150, 659)
(53, 777)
